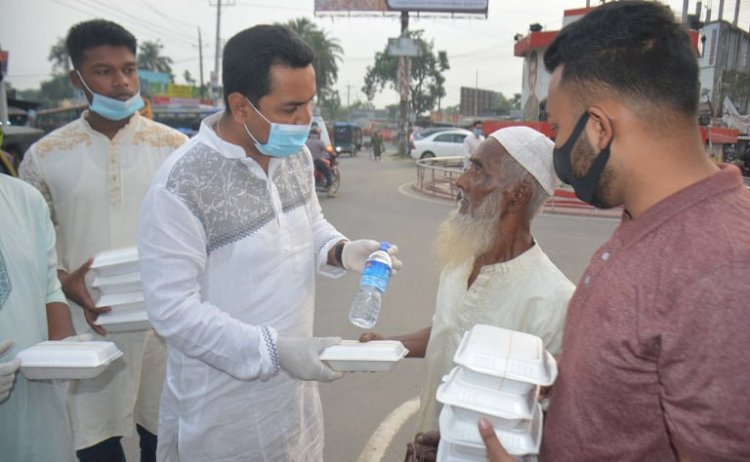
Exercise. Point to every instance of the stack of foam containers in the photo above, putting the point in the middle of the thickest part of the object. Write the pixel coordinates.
(498, 375)
(117, 278)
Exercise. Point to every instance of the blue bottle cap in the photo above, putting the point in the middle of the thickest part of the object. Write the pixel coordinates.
(384, 246)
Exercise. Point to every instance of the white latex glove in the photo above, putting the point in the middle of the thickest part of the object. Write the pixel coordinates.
(355, 253)
(7, 371)
(300, 357)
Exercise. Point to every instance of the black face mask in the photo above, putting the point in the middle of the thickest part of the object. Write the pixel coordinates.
(585, 186)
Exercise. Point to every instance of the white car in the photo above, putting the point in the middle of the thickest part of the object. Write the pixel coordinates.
(441, 144)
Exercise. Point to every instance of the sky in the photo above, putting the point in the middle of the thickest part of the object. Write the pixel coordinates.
(480, 50)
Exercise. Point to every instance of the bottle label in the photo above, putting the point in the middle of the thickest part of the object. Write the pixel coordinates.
(376, 274)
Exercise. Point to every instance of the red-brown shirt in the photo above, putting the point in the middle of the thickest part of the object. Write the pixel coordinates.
(656, 349)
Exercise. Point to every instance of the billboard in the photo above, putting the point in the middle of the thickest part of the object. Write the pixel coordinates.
(440, 6)
(330, 6)
(384, 6)
(476, 102)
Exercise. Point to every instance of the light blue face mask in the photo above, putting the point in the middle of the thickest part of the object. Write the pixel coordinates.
(284, 140)
(113, 109)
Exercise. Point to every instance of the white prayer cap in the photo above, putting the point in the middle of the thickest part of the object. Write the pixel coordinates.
(533, 150)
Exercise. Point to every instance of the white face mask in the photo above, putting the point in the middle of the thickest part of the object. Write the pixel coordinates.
(113, 109)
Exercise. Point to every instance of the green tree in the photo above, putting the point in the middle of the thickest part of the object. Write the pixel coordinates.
(188, 77)
(328, 55)
(56, 90)
(330, 104)
(150, 58)
(426, 81)
(59, 57)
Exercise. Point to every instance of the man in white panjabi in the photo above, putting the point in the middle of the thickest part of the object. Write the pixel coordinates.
(494, 272)
(94, 173)
(472, 141)
(230, 237)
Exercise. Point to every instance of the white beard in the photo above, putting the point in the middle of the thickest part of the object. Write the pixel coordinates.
(463, 237)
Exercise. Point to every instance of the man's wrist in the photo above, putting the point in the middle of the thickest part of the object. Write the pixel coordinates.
(338, 253)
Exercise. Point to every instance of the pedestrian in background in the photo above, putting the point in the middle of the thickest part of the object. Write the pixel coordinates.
(377, 145)
(472, 141)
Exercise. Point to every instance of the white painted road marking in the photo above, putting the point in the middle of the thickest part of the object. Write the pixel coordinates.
(376, 446)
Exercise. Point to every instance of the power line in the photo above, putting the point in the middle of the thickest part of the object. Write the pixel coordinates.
(133, 23)
(165, 16)
(159, 29)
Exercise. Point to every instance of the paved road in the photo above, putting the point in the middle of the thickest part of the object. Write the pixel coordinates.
(372, 203)
(375, 201)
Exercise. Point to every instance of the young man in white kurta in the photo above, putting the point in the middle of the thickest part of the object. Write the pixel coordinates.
(34, 423)
(94, 187)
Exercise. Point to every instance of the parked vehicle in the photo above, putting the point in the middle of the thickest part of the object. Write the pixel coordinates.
(440, 144)
(425, 132)
(347, 137)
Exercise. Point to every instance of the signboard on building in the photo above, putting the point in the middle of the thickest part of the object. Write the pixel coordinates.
(180, 91)
(440, 6)
(331, 6)
(403, 46)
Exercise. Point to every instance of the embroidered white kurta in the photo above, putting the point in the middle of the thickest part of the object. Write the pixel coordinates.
(34, 423)
(528, 294)
(228, 258)
(94, 187)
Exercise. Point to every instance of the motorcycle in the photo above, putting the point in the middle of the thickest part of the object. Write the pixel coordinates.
(320, 179)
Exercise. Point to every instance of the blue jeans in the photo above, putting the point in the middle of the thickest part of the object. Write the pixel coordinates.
(323, 168)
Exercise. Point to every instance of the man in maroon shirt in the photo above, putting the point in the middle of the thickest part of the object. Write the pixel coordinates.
(655, 363)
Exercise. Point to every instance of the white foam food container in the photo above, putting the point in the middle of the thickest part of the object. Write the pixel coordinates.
(353, 356)
(116, 261)
(506, 354)
(471, 402)
(126, 301)
(448, 452)
(117, 284)
(65, 359)
(124, 321)
(518, 442)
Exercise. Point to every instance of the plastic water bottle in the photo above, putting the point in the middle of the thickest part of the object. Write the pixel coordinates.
(372, 284)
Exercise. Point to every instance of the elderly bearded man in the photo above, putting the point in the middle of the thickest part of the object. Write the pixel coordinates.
(493, 270)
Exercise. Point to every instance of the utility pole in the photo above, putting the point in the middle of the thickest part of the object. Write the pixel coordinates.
(404, 78)
(685, 5)
(476, 93)
(200, 59)
(736, 13)
(217, 56)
